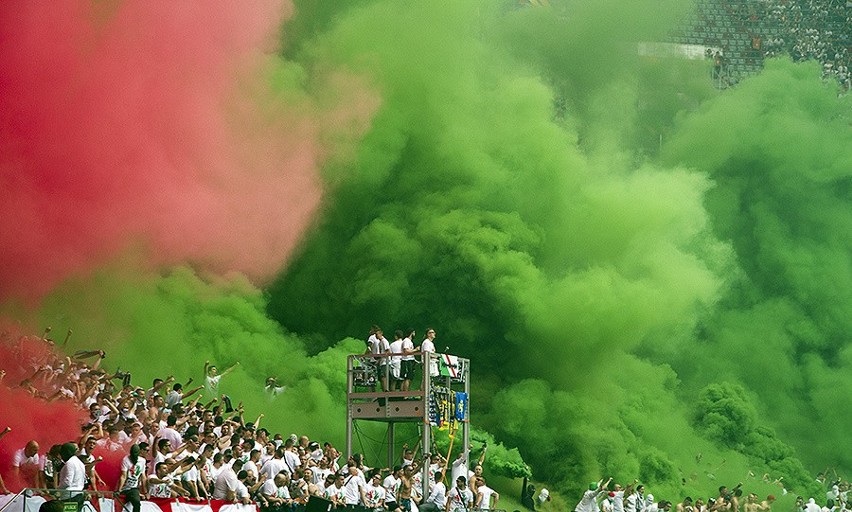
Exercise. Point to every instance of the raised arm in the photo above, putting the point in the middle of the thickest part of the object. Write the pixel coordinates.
(230, 368)
(191, 392)
(482, 455)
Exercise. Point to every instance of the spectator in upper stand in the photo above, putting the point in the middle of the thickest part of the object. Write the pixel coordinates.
(528, 495)
(212, 377)
(176, 395)
(272, 388)
(396, 362)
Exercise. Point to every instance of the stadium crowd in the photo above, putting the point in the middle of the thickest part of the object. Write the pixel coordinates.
(166, 442)
(608, 497)
(812, 29)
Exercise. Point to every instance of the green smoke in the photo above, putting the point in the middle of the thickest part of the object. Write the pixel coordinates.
(510, 195)
(778, 149)
(165, 325)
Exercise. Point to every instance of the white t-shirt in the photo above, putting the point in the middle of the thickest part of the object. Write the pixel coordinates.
(374, 495)
(291, 461)
(173, 398)
(172, 435)
(384, 348)
(352, 485)
(459, 469)
(332, 492)
(28, 466)
(273, 467)
(251, 467)
(242, 491)
(460, 500)
(269, 489)
(438, 496)
(160, 490)
(374, 344)
(588, 503)
(211, 385)
(191, 475)
(134, 472)
(213, 472)
(407, 344)
(618, 501)
(320, 475)
(427, 346)
(487, 493)
(390, 484)
(73, 475)
(632, 501)
(396, 349)
(21, 460)
(226, 481)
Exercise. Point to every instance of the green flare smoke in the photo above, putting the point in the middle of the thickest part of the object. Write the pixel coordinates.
(651, 278)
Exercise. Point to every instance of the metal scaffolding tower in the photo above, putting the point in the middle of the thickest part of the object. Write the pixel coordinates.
(442, 397)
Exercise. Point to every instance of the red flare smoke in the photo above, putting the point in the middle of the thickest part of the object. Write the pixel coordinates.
(137, 124)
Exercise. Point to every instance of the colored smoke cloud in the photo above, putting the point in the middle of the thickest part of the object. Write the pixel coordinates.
(651, 277)
(30, 418)
(126, 126)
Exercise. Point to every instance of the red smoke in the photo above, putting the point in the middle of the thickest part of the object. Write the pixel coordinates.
(149, 125)
(33, 419)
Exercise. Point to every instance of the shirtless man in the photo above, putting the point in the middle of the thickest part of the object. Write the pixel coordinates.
(403, 496)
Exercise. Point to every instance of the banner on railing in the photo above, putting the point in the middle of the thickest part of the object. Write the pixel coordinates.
(24, 503)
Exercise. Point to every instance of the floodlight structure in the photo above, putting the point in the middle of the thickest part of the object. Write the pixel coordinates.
(441, 399)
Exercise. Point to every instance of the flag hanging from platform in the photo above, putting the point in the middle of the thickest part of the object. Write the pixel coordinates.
(449, 366)
(461, 406)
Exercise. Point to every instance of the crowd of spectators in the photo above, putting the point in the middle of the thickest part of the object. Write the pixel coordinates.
(605, 496)
(812, 29)
(740, 34)
(165, 441)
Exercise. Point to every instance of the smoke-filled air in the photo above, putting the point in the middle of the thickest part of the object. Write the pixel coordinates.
(651, 277)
